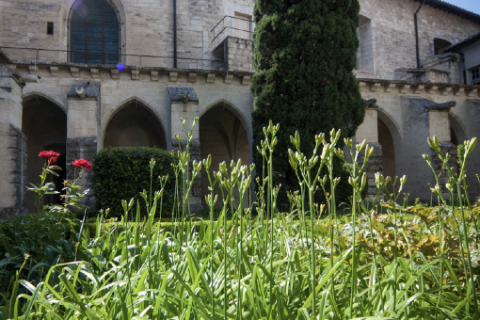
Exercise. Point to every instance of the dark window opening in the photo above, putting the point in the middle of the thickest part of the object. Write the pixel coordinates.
(49, 27)
(439, 45)
(475, 72)
(94, 33)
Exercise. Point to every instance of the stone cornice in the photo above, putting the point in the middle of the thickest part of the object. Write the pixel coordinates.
(417, 88)
(134, 72)
(429, 105)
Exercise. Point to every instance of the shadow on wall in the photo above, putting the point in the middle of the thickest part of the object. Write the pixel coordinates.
(45, 125)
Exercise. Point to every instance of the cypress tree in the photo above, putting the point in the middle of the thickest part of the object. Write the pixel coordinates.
(305, 51)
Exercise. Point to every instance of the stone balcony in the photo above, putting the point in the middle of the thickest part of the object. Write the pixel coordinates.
(237, 54)
(233, 43)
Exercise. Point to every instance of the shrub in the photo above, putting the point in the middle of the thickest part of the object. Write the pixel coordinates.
(122, 173)
(45, 238)
(305, 52)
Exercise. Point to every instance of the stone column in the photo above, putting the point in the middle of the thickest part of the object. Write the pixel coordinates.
(368, 131)
(422, 119)
(184, 104)
(82, 130)
(439, 125)
(13, 146)
(473, 125)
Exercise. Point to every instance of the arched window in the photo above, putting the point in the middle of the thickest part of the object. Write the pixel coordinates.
(439, 45)
(94, 33)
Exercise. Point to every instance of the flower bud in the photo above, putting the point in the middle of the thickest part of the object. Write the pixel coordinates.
(351, 181)
(363, 181)
(319, 138)
(131, 203)
(403, 180)
(471, 145)
(368, 152)
(274, 142)
(379, 180)
(361, 145)
(348, 142)
(340, 154)
(436, 190)
(336, 181)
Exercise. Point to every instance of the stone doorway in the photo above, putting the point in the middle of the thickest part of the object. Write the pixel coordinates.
(45, 125)
(388, 152)
(222, 135)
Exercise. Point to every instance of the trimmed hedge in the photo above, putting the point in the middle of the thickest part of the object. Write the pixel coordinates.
(121, 173)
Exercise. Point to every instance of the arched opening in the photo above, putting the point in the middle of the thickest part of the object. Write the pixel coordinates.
(388, 151)
(94, 33)
(439, 45)
(135, 126)
(457, 131)
(223, 136)
(457, 134)
(453, 137)
(45, 125)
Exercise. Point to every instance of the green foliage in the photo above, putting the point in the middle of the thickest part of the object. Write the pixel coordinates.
(44, 238)
(305, 52)
(122, 173)
(408, 263)
(124, 264)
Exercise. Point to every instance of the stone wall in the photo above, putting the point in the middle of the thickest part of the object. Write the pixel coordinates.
(386, 31)
(239, 54)
(409, 130)
(13, 172)
(146, 28)
(13, 146)
(394, 33)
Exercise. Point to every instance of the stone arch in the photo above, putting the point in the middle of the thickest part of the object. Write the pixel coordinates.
(237, 112)
(390, 139)
(119, 10)
(134, 123)
(224, 135)
(36, 95)
(44, 122)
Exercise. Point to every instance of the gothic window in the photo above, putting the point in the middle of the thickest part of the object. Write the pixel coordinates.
(94, 33)
(439, 45)
(475, 72)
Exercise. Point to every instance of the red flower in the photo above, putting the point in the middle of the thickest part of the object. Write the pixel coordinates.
(82, 163)
(51, 155)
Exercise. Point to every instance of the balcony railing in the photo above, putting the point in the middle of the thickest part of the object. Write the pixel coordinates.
(232, 27)
(34, 55)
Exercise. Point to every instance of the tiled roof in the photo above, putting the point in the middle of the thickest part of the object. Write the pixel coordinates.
(464, 43)
(442, 5)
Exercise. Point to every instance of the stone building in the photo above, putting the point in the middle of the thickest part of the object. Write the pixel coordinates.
(77, 76)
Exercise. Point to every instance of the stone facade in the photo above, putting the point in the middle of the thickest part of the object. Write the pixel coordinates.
(77, 109)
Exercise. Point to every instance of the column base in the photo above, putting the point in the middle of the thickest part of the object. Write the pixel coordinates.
(82, 148)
